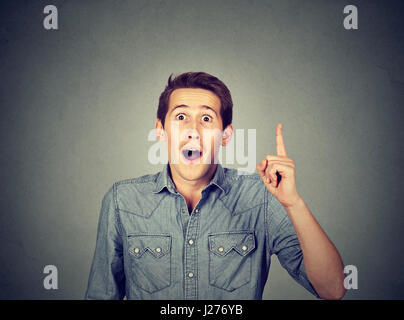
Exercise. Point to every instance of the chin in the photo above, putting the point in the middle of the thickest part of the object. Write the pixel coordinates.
(193, 171)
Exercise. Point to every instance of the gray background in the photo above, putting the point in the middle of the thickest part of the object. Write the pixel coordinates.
(78, 103)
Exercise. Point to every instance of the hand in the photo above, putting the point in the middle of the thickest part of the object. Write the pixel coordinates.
(278, 173)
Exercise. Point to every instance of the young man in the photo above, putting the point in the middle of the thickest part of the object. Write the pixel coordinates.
(197, 230)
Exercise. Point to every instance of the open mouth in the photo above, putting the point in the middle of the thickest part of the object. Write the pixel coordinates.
(191, 154)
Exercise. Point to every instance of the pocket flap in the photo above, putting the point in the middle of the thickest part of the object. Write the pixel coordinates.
(222, 243)
(158, 245)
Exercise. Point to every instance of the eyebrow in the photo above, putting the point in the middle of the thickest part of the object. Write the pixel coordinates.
(185, 106)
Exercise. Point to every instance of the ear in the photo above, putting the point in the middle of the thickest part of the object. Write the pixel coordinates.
(160, 132)
(227, 135)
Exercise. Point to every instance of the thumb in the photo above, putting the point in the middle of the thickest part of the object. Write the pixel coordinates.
(261, 171)
(261, 167)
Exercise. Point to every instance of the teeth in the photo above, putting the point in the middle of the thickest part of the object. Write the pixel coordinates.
(192, 149)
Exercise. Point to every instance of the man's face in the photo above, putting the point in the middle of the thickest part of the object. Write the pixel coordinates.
(193, 131)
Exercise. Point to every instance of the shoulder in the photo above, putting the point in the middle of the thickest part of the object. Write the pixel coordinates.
(251, 191)
(236, 180)
(143, 184)
(135, 195)
(244, 190)
(236, 175)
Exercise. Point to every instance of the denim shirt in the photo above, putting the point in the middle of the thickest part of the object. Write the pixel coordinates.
(150, 247)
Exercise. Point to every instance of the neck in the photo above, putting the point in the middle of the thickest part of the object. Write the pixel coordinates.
(192, 186)
(191, 190)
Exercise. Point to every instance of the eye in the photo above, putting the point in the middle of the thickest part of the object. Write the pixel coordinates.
(180, 116)
(206, 118)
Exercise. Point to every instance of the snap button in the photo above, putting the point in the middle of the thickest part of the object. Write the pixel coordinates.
(244, 248)
(220, 249)
(158, 250)
(197, 210)
(191, 242)
(190, 275)
(136, 250)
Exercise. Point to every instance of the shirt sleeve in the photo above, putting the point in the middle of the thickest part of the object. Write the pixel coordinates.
(107, 278)
(283, 241)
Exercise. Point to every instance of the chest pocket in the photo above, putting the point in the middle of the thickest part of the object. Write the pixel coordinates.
(230, 259)
(150, 261)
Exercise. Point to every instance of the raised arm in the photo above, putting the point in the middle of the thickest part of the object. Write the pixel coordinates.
(322, 261)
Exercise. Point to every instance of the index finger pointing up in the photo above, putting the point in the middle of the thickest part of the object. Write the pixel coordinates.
(280, 145)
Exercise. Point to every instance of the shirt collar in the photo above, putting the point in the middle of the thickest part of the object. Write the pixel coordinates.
(219, 178)
(164, 180)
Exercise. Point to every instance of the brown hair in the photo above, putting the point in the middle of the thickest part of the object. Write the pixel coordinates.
(200, 80)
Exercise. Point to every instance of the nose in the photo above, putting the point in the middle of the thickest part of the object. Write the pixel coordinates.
(192, 134)
(192, 131)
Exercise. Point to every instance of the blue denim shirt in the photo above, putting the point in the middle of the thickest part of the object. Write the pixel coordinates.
(150, 247)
